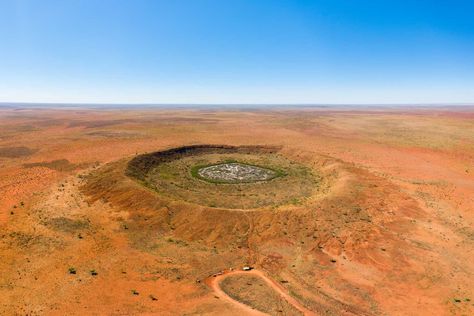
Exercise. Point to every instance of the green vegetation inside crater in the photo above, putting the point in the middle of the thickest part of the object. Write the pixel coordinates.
(180, 179)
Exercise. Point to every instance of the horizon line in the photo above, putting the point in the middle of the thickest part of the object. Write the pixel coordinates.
(19, 103)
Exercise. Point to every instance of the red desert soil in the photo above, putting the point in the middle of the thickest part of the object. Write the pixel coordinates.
(216, 280)
(389, 231)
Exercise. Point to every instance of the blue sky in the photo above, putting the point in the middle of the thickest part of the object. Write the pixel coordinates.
(237, 51)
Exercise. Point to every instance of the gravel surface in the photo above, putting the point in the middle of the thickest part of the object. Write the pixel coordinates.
(236, 172)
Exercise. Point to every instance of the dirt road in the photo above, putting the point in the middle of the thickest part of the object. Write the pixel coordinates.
(214, 283)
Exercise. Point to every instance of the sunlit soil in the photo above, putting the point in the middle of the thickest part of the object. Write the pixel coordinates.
(373, 215)
(228, 184)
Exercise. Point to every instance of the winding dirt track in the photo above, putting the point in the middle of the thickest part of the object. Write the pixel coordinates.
(214, 283)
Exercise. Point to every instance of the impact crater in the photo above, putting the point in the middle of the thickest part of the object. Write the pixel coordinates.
(223, 176)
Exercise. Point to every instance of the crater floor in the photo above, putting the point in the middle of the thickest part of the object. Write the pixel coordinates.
(235, 172)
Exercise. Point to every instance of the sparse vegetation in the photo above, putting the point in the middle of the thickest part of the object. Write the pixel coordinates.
(253, 291)
(177, 175)
(62, 165)
(16, 152)
(355, 200)
(66, 224)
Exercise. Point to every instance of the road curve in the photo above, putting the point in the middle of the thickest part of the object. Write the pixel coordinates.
(214, 283)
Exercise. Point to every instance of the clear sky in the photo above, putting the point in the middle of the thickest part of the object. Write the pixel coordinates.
(237, 51)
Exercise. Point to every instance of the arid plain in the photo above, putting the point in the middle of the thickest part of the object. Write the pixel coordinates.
(382, 224)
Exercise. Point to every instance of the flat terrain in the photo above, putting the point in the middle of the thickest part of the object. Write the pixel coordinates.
(235, 172)
(381, 223)
(257, 292)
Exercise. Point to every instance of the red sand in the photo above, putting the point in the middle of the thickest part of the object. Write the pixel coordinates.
(409, 253)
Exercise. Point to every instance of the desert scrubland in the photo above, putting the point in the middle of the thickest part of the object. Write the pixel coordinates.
(371, 212)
